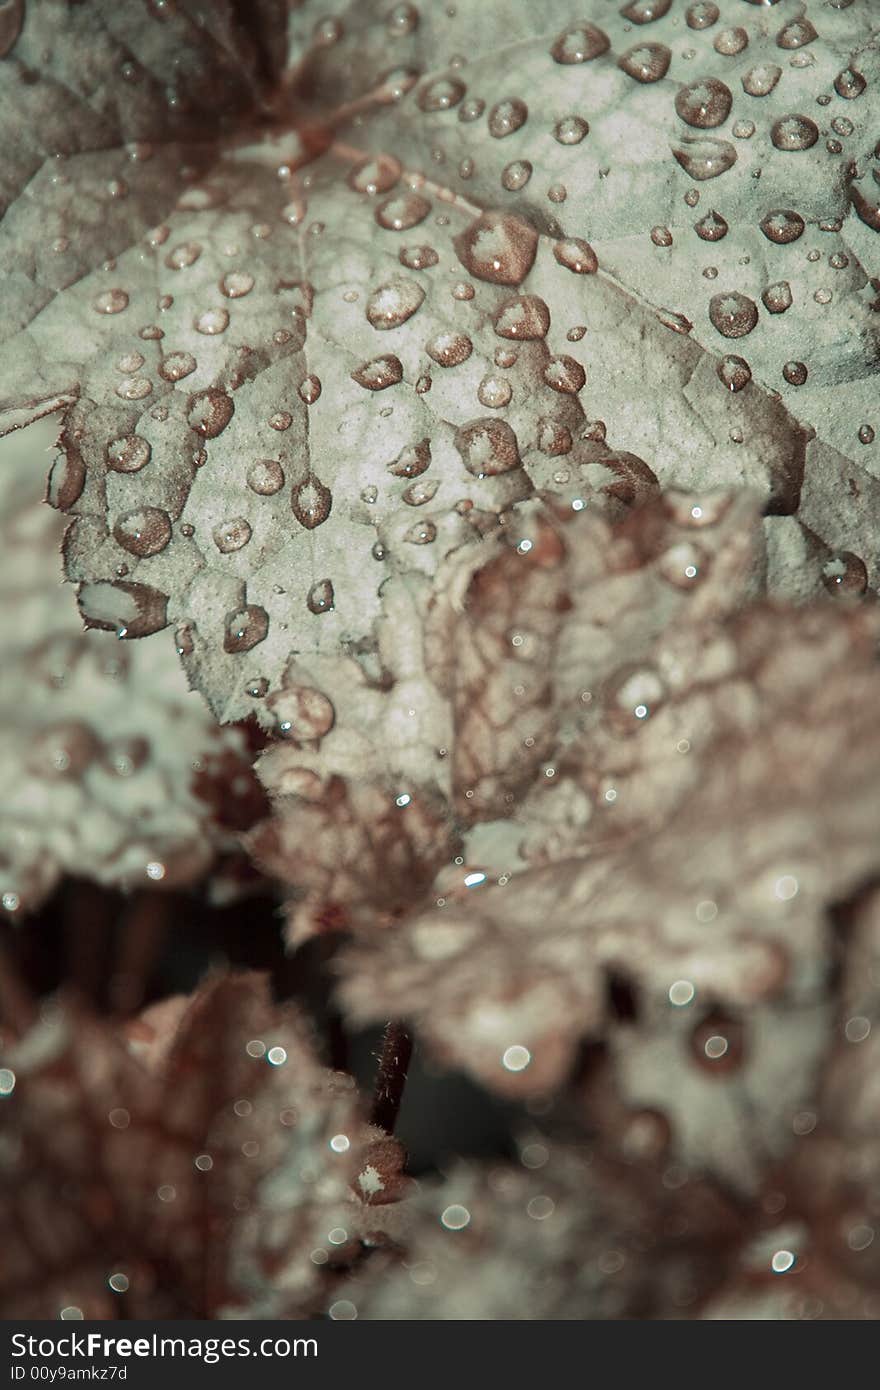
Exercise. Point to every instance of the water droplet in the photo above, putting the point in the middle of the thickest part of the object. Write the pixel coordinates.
(866, 434)
(487, 447)
(523, 317)
(632, 695)
(402, 211)
(506, 117)
(845, 573)
(209, 412)
(441, 94)
(581, 43)
(177, 365)
(110, 302)
(142, 532)
(705, 158)
(647, 62)
(797, 34)
(705, 103)
(379, 373)
(265, 477)
(245, 628)
(375, 175)
(795, 373)
(320, 596)
(565, 374)
(794, 133)
(734, 372)
(661, 236)
(733, 314)
(471, 109)
(422, 533)
(516, 175)
(494, 392)
(309, 389)
(402, 20)
(449, 349)
(645, 11)
(712, 227)
(134, 388)
(236, 283)
(782, 226)
(571, 130)
(730, 42)
(703, 15)
(498, 247)
(394, 303)
(412, 460)
(849, 84)
(576, 255)
(417, 257)
(718, 1043)
(417, 494)
(777, 298)
(184, 255)
(310, 502)
(232, 535)
(302, 713)
(128, 454)
(212, 321)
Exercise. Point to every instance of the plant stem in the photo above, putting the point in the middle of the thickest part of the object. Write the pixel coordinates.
(397, 1046)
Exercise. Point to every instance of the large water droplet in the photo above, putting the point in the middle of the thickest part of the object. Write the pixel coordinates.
(449, 349)
(794, 133)
(412, 460)
(646, 11)
(320, 596)
(782, 226)
(236, 283)
(705, 103)
(797, 34)
(712, 227)
(209, 412)
(441, 94)
(524, 317)
(498, 247)
(245, 628)
(579, 44)
(576, 255)
(232, 535)
(565, 374)
(487, 447)
(506, 117)
(571, 130)
(402, 211)
(379, 373)
(777, 298)
(702, 15)
(647, 62)
(110, 302)
(417, 257)
(734, 372)
(129, 610)
(142, 532)
(310, 502)
(391, 305)
(759, 81)
(733, 314)
(128, 454)
(265, 477)
(705, 158)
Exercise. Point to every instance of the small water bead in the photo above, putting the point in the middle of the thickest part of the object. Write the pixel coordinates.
(571, 130)
(507, 117)
(441, 94)
(143, 532)
(402, 20)
(375, 175)
(575, 334)
(743, 130)
(795, 373)
(522, 317)
(845, 573)
(395, 85)
(379, 373)
(730, 42)
(471, 109)
(487, 447)
(842, 125)
(777, 298)
(705, 103)
(310, 502)
(369, 494)
(466, 168)
(402, 211)
(423, 385)
(265, 477)
(565, 374)
(702, 16)
(128, 454)
(823, 296)
(705, 158)
(646, 62)
(320, 597)
(245, 628)
(391, 305)
(557, 193)
(422, 533)
(134, 388)
(581, 43)
(797, 34)
(505, 358)
(576, 255)
(732, 314)
(462, 291)
(516, 175)
(849, 84)
(184, 255)
(177, 365)
(794, 133)
(782, 226)
(232, 535)
(712, 227)
(866, 434)
(110, 302)
(710, 272)
(494, 392)
(734, 372)
(212, 321)
(412, 461)
(449, 349)
(417, 257)
(419, 493)
(236, 283)
(661, 236)
(645, 11)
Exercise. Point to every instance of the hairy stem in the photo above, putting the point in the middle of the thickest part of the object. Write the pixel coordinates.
(397, 1046)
